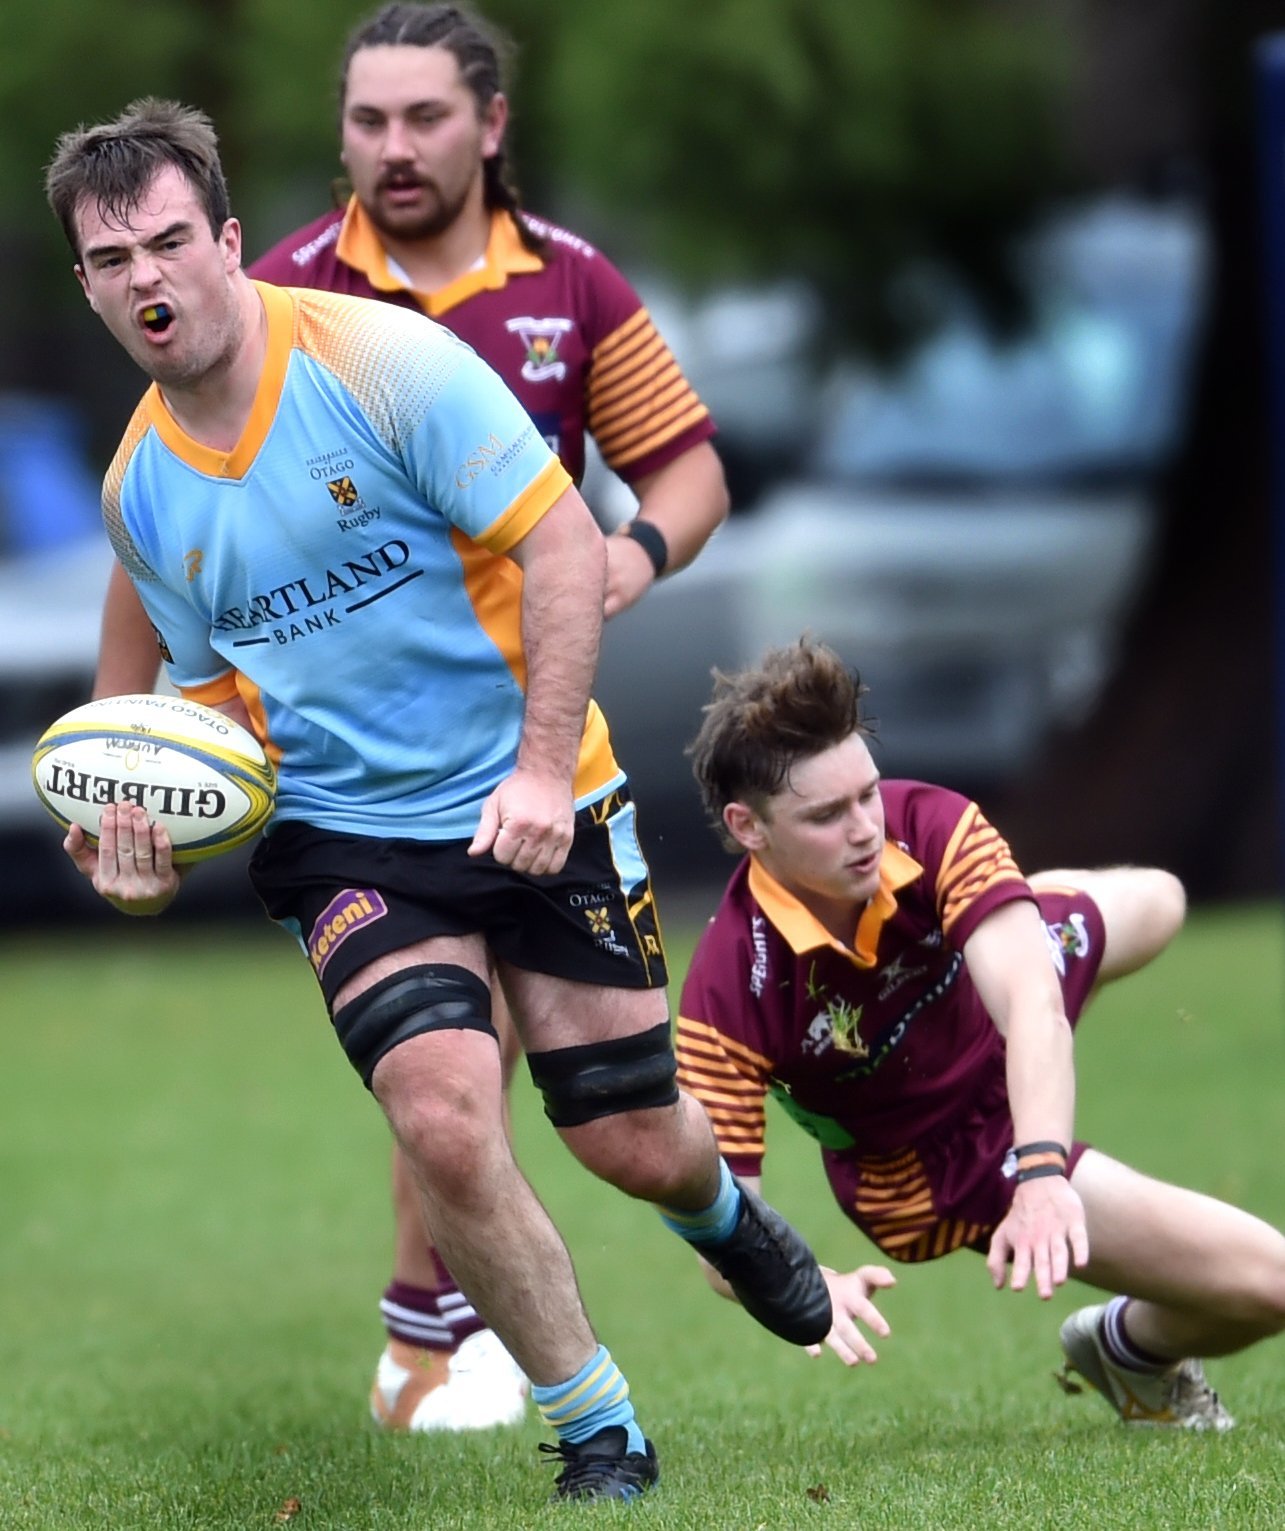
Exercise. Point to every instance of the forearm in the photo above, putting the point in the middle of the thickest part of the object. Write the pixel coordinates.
(1041, 1075)
(128, 660)
(564, 569)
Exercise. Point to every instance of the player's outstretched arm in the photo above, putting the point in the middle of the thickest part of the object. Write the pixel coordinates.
(128, 660)
(686, 501)
(1008, 961)
(132, 866)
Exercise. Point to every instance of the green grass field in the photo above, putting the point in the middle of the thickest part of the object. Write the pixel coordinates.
(195, 1238)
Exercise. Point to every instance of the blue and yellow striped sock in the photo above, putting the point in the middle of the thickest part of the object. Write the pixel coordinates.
(715, 1224)
(594, 1399)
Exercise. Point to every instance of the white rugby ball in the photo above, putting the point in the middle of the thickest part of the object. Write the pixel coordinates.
(197, 772)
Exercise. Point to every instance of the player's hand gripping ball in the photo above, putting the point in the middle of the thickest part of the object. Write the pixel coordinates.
(192, 769)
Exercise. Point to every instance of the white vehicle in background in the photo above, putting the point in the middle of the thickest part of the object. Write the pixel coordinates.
(972, 531)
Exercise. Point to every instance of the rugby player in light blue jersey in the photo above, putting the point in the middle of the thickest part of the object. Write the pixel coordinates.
(345, 529)
(433, 225)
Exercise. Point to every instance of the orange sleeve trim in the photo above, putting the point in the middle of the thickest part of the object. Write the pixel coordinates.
(979, 850)
(550, 484)
(609, 398)
(621, 337)
(212, 693)
(631, 403)
(647, 356)
(961, 831)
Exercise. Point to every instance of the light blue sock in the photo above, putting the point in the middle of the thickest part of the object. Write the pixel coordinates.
(714, 1225)
(596, 1397)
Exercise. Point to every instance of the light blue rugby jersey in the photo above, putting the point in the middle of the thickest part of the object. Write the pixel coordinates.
(342, 566)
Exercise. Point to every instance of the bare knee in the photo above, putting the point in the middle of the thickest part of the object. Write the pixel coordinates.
(449, 1143)
(645, 1154)
(1259, 1301)
(1143, 909)
(441, 1095)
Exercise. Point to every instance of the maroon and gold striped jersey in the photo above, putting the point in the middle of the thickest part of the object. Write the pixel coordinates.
(869, 1045)
(565, 330)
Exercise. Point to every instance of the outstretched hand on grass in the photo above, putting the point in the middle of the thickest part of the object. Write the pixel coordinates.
(1043, 1234)
(850, 1298)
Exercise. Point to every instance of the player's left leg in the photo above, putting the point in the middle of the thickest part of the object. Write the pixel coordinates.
(1197, 1278)
(604, 1061)
(441, 1367)
(1142, 909)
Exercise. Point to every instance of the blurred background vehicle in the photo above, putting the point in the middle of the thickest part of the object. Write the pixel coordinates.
(972, 529)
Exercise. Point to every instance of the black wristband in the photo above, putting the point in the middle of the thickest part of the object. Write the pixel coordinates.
(1040, 1172)
(651, 540)
(1039, 1148)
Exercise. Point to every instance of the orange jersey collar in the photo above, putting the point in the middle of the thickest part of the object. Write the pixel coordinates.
(278, 309)
(805, 932)
(360, 247)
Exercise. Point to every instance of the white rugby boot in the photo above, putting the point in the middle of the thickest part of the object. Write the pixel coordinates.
(1178, 1399)
(475, 1387)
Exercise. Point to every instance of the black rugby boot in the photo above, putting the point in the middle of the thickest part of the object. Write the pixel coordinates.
(603, 1467)
(771, 1269)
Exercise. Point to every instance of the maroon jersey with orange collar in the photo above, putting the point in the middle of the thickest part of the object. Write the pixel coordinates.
(565, 330)
(870, 1046)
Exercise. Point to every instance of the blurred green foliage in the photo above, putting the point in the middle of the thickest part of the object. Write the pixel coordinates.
(843, 142)
(731, 140)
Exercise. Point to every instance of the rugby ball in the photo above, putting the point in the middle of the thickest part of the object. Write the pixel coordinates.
(197, 772)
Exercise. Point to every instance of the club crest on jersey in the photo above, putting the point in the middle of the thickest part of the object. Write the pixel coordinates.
(1067, 938)
(836, 1026)
(343, 491)
(541, 339)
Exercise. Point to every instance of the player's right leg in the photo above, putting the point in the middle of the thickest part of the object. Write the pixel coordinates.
(441, 1367)
(439, 1085)
(1197, 1278)
(1142, 909)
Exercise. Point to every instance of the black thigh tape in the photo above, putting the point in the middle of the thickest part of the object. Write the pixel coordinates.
(581, 1084)
(437, 996)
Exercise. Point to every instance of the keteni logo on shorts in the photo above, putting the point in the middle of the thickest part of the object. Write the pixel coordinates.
(351, 910)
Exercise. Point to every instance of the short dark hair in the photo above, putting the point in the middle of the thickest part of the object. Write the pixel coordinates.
(113, 163)
(483, 54)
(799, 701)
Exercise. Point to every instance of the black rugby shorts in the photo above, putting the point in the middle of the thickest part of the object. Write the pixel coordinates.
(350, 898)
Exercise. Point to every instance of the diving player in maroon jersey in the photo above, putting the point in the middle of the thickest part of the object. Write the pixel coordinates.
(881, 967)
(432, 224)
